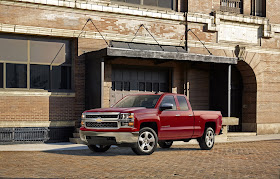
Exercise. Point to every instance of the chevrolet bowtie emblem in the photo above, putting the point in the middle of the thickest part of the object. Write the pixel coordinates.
(98, 120)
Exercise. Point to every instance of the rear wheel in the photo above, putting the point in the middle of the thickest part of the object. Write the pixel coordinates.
(206, 142)
(99, 148)
(165, 144)
(147, 142)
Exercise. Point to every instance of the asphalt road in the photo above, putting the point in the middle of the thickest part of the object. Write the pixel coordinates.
(226, 160)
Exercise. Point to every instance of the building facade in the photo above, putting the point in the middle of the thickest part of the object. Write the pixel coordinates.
(49, 61)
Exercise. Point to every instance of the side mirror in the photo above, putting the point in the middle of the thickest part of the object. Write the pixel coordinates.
(165, 106)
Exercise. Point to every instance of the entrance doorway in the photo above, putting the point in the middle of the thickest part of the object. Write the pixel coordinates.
(219, 92)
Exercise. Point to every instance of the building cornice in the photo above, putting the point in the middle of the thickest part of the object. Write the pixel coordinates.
(102, 6)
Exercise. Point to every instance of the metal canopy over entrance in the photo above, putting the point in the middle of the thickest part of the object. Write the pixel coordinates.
(154, 51)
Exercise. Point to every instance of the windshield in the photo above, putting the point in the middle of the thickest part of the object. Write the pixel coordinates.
(147, 101)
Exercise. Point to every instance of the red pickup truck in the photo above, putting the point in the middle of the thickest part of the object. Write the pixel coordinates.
(141, 121)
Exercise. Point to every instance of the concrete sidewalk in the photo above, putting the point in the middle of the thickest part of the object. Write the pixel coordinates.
(237, 137)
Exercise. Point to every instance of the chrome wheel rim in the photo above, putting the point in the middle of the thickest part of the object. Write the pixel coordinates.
(146, 141)
(209, 138)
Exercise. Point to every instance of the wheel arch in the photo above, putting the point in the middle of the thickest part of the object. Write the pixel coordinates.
(211, 124)
(151, 124)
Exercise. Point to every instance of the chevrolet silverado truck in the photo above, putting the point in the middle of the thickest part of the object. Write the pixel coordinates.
(141, 121)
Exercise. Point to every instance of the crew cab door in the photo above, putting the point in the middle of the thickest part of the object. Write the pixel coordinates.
(175, 123)
(185, 117)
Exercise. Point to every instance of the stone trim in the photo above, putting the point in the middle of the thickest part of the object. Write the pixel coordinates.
(106, 7)
(273, 128)
(37, 123)
(230, 121)
(242, 19)
(34, 93)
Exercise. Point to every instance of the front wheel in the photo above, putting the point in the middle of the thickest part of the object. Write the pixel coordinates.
(99, 148)
(147, 142)
(206, 142)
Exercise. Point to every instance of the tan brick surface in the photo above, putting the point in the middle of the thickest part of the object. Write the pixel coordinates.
(24, 108)
(228, 160)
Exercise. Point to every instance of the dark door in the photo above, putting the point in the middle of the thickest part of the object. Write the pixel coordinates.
(131, 80)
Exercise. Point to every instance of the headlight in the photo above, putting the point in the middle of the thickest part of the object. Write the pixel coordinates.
(127, 119)
(83, 116)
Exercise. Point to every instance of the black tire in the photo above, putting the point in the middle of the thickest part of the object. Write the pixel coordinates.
(147, 142)
(99, 148)
(207, 141)
(165, 144)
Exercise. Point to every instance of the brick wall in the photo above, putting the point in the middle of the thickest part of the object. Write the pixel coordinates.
(79, 81)
(201, 6)
(24, 108)
(61, 108)
(105, 22)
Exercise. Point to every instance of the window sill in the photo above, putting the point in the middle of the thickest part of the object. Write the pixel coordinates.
(34, 92)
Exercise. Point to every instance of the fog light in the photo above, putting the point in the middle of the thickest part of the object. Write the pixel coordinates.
(131, 124)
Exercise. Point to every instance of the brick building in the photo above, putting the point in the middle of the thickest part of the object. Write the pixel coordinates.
(51, 70)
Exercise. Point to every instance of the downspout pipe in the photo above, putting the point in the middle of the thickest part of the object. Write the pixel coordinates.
(186, 9)
(229, 90)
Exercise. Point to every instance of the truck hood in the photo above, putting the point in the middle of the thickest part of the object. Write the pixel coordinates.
(122, 110)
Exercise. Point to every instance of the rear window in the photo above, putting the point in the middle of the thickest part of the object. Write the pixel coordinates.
(183, 103)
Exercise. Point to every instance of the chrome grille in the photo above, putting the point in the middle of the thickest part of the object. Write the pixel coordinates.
(102, 116)
(102, 124)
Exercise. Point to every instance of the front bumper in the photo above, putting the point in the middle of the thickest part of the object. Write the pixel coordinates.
(108, 138)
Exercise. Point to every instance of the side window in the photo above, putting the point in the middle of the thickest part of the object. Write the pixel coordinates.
(171, 100)
(183, 103)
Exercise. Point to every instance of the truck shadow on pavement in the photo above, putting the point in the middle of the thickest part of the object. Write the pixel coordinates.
(115, 151)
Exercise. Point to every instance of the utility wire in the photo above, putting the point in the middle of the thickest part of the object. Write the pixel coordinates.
(57, 53)
(142, 25)
(96, 29)
(200, 41)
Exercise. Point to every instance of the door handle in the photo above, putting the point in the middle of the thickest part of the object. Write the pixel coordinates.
(177, 115)
(190, 115)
